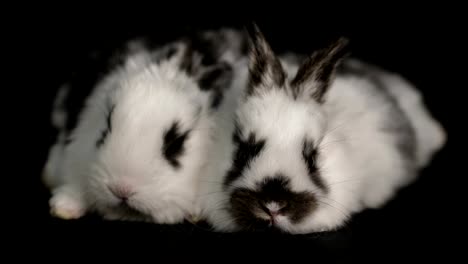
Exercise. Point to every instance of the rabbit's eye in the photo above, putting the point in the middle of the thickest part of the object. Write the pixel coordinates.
(107, 129)
(309, 154)
(246, 151)
(173, 146)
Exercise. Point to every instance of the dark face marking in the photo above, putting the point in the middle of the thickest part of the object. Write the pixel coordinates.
(309, 154)
(315, 73)
(107, 129)
(246, 151)
(245, 204)
(173, 146)
(263, 62)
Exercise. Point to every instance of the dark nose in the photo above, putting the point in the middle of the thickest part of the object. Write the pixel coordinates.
(120, 191)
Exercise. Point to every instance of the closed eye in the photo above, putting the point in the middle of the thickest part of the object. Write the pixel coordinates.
(309, 154)
(107, 129)
(173, 146)
(246, 151)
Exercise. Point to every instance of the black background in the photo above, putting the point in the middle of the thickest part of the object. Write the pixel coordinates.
(421, 45)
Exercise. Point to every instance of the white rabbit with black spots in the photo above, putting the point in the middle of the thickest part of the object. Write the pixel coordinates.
(138, 144)
(312, 144)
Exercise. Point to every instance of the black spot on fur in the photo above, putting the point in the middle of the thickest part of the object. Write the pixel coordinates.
(212, 76)
(217, 99)
(186, 62)
(201, 59)
(216, 80)
(309, 154)
(173, 145)
(199, 53)
(107, 129)
(263, 62)
(210, 44)
(246, 151)
(206, 48)
(246, 204)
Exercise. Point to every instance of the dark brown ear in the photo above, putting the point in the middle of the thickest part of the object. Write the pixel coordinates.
(265, 70)
(315, 74)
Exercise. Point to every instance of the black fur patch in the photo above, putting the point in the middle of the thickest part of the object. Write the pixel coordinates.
(246, 151)
(201, 60)
(107, 130)
(211, 78)
(309, 154)
(317, 70)
(173, 145)
(216, 99)
(216, 80)
(186, 62)
(205, 47)
(197, 45)
(263, 62)
(245, 202)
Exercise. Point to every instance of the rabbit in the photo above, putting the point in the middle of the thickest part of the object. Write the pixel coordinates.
(134, 149)
(312, 144)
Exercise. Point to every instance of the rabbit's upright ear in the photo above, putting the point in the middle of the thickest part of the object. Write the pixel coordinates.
(265, 70)
(315, 74)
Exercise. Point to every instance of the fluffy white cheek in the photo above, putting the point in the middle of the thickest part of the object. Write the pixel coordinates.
(168, 207)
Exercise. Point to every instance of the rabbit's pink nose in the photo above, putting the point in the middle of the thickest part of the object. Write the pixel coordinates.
(274, 209)
(120, 191)
(274, 213)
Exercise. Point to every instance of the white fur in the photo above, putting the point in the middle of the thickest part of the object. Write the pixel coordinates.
(148, 98)
(359, 163)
